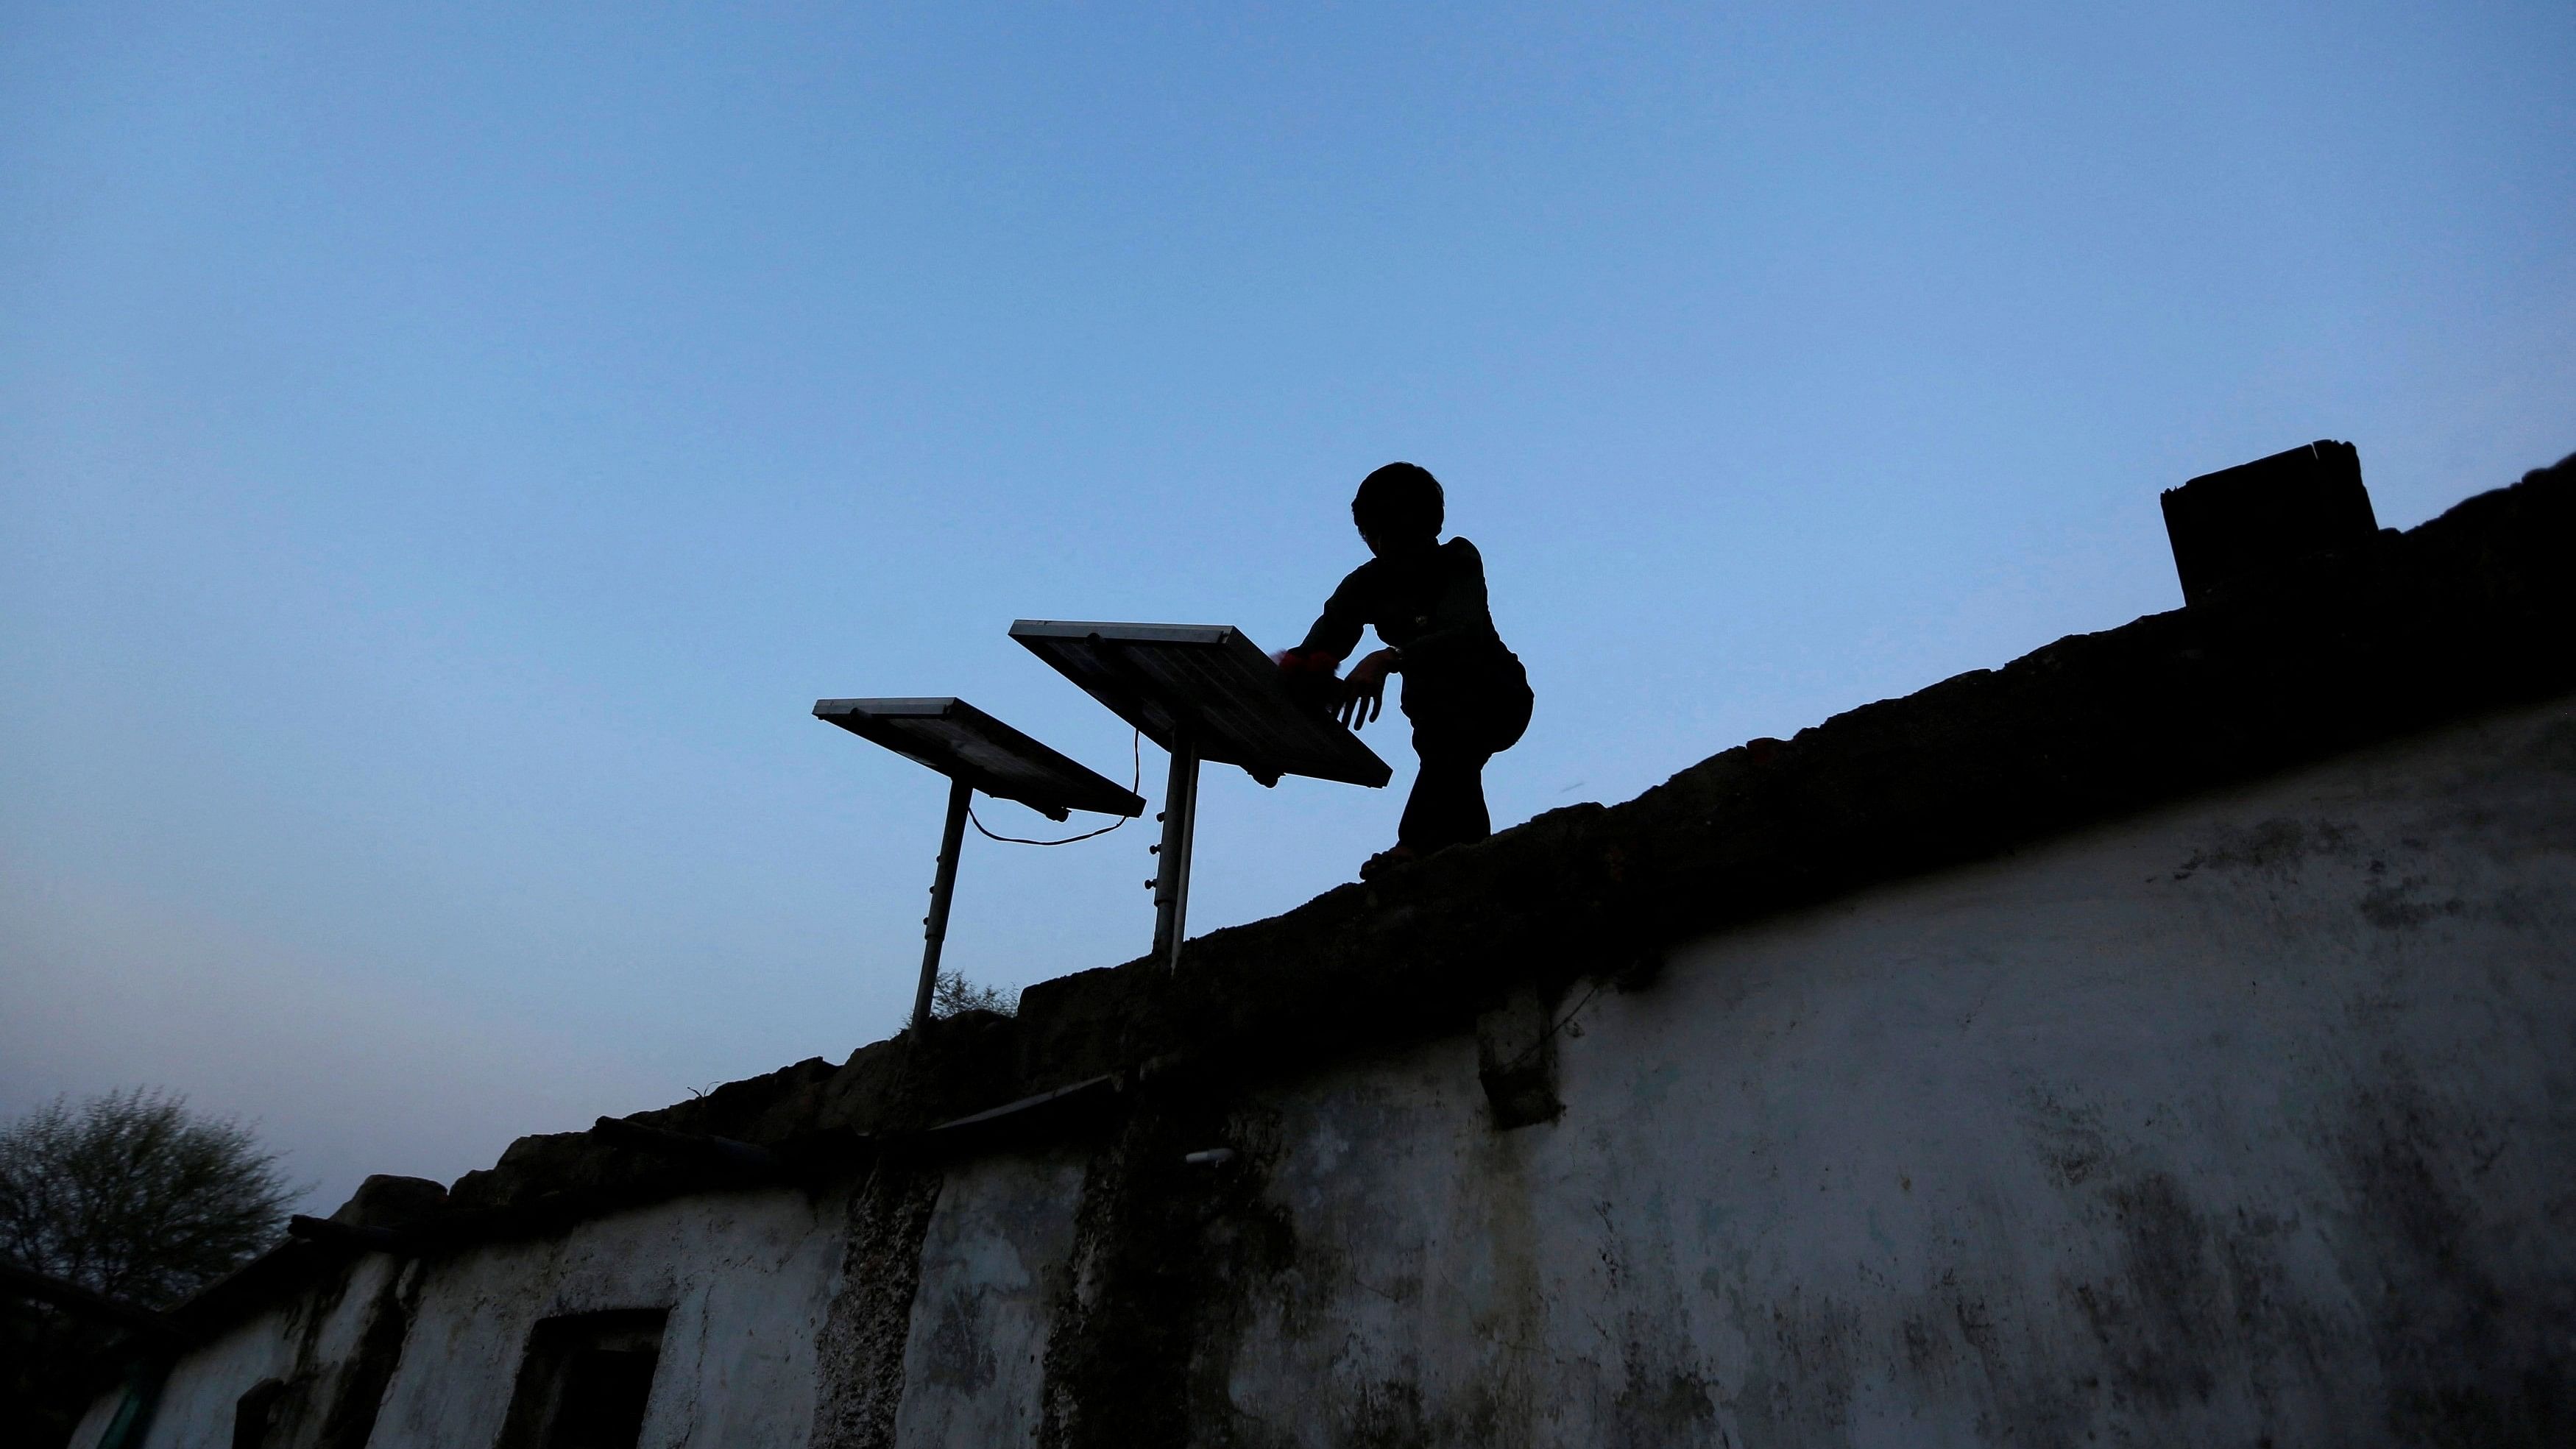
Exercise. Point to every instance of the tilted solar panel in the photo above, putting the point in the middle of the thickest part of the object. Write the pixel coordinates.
(1159, 677)
(964, 743)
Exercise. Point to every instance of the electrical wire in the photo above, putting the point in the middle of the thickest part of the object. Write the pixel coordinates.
(1136, 747)
(1549, 1035)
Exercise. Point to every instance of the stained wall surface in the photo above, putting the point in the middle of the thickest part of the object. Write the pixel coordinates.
(743, 1276)
(996, 1261)
(2252, 1120)
(312, 1348)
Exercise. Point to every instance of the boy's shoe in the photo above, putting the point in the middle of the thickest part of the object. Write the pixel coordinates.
(1386, 860)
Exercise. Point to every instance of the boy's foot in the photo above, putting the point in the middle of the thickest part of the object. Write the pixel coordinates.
(1386, 860)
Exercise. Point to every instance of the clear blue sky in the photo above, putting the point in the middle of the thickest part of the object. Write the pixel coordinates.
(445, 449)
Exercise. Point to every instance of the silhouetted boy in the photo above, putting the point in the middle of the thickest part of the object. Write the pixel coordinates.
(1467, 695)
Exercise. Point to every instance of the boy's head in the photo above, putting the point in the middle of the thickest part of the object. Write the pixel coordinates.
(1397, 505)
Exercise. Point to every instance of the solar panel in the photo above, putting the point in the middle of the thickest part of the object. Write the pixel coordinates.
(967, 745)
(1160, 676)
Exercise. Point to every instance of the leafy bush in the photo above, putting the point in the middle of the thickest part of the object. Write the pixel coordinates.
(130, 1195)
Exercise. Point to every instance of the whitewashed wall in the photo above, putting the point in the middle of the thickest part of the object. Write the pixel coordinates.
(319, 1334)
(2252, 1120)
(744, 1275)
(994, 1265)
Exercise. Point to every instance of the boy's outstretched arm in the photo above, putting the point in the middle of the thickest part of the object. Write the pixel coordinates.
(1337, 630)
(1312, 666)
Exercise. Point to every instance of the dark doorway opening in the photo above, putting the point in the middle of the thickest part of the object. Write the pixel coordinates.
(586, 1381)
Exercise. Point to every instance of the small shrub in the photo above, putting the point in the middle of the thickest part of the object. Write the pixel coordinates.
(953, 993)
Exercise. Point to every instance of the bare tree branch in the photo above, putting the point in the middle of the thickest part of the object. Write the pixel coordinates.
(953, 993)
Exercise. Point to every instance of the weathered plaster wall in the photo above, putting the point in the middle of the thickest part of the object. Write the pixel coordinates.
(744, 1275)
(2250, 1120)
(315, 1346)
(995, 1262)
(2254, 1121)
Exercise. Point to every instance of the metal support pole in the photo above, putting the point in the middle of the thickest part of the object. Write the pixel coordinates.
(1180, 823)
(942, 887)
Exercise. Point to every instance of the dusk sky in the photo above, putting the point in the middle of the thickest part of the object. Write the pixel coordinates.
(446, 449)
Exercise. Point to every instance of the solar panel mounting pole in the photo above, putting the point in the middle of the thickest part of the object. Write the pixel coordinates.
(1210, 696)
(943, 887)
(976, 752)
(1180, 824)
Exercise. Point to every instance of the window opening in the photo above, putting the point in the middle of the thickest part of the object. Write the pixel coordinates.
(256, 1413)
(586, 1381)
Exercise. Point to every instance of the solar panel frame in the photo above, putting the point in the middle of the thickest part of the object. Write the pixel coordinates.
(964, 743)
(1158, 676)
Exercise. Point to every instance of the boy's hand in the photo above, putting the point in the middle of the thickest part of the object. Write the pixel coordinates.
(1364, 692)
(1313, 680)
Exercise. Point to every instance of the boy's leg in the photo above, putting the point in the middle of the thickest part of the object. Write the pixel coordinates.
(1448, 802)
